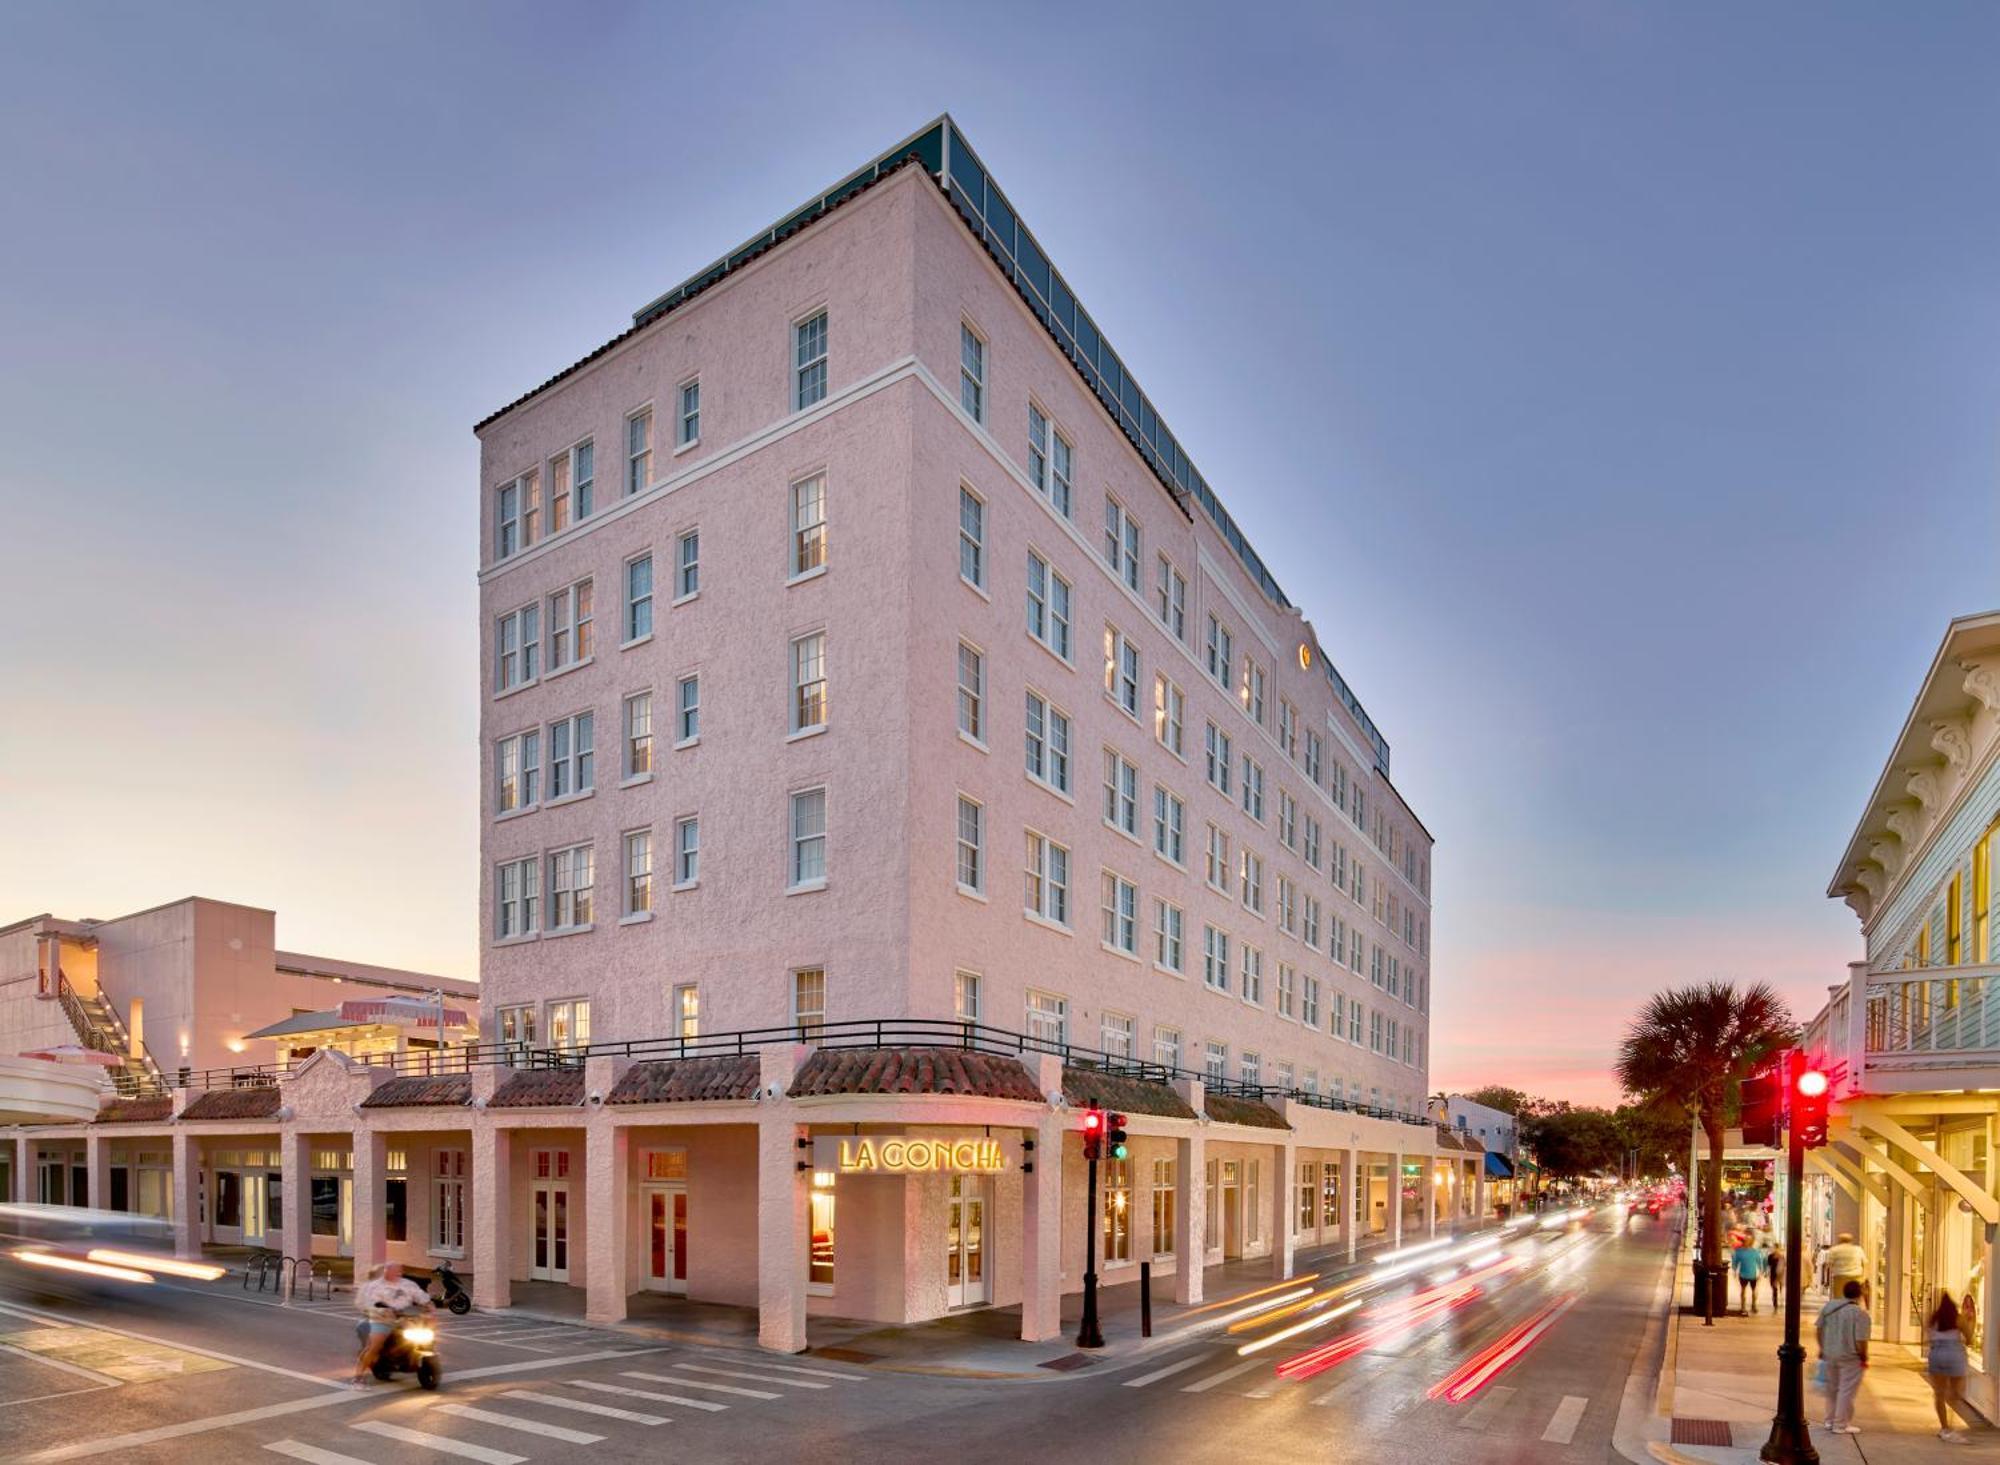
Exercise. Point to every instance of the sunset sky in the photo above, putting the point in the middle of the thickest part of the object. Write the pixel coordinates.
(1614, 386)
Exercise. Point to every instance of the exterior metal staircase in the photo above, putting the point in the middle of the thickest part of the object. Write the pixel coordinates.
(99, 1027)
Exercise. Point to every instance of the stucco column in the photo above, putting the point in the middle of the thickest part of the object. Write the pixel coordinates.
(371, 1180)
(492, 1217)
(783, 1188)
(97, 1167)
(1041, 1220)
(187, 1196)
(1284, 1210)
(608, 1178)
(1427, 1192)
(295, 1192)
(1479, 1191)
(23, 1168)
(1190, 1199)
(1350, 1199)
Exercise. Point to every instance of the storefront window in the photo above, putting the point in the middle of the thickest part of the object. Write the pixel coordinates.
(1308, 1195)
(448, 1202)
(1253, 1220)
(1329, 1192)
(666, 1164)
(1163, 1207)
(228, 1199)
(1212, 1230)
(326, 1205)
(819, 1271)
(1117, 1211)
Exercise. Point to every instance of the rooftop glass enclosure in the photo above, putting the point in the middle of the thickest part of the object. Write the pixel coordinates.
(943, 151)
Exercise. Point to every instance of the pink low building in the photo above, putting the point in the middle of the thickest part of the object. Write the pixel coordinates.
(891, 745)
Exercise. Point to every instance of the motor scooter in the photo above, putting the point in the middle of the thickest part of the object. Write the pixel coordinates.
(447, 1291)
(412, 1348)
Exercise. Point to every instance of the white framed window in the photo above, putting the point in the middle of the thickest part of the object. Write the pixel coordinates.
(1309, 924)
(1309, 1009)
(639, 451)
(1115, 1034)
(1312, 756)
(809, 1002)
(1251, 1069)
(1221, 652)
(1049, 460)
(971, 846)
(1253, 788)
(1253, 882)
(1121, 793)
(448, 1172)
(1253, 690)
(1288, 986)
(1121, 542)
(1163, 1194)
(1375, 1032)
(965, 995)
(971, 693)
(517, 898)
(809, 355)
(569, 1025)
(1215, 958)
(1046, 890)
(572, 755)
(507, 519)
(1170, 598)
(808, 860)
(1337, 781)
(1047, 743)
(517, 648)
(1048, 1019)
(1253, 974)
(569, 625)
(687, 710)
(687, 1011)
(687, 849)
(1218, 868)
(1048, 606)
(1215, 1065)
(638, 735)
(572, 873)
(1312, 841)
(1121, 671)
(1169, 715)
(517, 772)
(1288, 820)
(1218, 755)
(1169, 826)
(1167, 1051)
(638, 598)
(1288, 728)
(809, 682)
(808, 525)
(1288, 906)
(971, 373)
(1337, 1006)
(572, 491)
(688, 430)
(1169, 933)
(971, 538)
(687, 565)
(1120, 907)
(638, 872)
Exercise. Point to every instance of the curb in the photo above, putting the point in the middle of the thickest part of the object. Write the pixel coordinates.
(1651, 1376)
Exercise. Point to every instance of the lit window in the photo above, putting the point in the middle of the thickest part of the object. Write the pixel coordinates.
(1253, 882)
(1163, 1195)
(569, 1025)
(517, 770)
(1121, 670)
(809, 362)
(808, 525)
(809, 837)
(687, 1011)
(809, 682)
(638, 872)
(1169, 714)
(569, 625)
(639, 451)
(1253, 690)
(809, 1002)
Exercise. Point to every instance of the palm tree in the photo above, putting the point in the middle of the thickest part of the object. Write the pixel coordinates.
(1693, 1046)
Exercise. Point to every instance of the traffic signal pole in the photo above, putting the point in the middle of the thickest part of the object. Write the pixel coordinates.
(1088, 1334)
(1791, 1438)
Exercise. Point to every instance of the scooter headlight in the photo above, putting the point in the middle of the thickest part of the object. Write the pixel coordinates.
(419, 1334)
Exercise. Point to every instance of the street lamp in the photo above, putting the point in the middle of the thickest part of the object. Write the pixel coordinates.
(1805, 1112)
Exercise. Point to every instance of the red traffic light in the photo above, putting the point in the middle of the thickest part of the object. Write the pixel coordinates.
(1812, 1083)
(1093, 1121)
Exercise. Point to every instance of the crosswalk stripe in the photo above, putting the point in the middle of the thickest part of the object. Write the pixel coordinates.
(1480, 1415)
(708, 1404)
(818, 1373)
(1266, 1389)
(1168, 1372)
(1201, 1385)
(312, 1454)
(1563, 1423)
(631, 1416)
(516, 1421)
(665, 1378)
(744, 1373)
(441, 1443)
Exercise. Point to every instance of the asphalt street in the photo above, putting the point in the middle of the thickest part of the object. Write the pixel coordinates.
(1469, 1352)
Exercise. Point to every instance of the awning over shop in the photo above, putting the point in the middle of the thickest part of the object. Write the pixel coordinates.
(1498, 1167)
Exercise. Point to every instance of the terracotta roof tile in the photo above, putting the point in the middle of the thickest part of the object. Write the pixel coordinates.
(1227, 1109)
(260, 1102)
(685, 1080)
(136, 1111)
(421, 1091)
(1088, 1087)
(540, 1088)
(914, 1071)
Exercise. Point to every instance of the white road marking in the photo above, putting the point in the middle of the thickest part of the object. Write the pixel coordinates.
(443, 1444)
(705, 1404)
(39, 1398)
(758, 1378)
(1201, 1385)
(1563, 1423)
(1480, 1415)
(1168, 1372)
(516, 1421)
(818, 1373)
(1266, 1389)
(677, 1380)
(120, 1442)
(312, 1454)
(102, 1380)
(18, 1310)
(553, 1361)
(630, 1416)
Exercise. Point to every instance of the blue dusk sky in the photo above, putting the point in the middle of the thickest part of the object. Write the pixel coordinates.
(1614, 386)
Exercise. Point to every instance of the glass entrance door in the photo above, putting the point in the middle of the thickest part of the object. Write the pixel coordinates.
(666, 1238)
(548, 1255)
(965, 1243)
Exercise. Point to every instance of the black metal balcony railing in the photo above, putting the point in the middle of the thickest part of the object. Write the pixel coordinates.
(874, 1033)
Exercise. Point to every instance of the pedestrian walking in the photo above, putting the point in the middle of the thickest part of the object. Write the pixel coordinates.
(1774, 1268)
(1749, 1261)
(1843, 1262)
(1944, 1366)
(1842, 1329)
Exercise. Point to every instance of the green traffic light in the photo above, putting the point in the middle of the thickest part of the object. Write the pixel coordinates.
(1118, 1152)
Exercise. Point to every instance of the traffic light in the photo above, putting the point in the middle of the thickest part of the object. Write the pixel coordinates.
(1810, 1086)
(1093, 1133)
(1764, 1107)
(1114, 1136)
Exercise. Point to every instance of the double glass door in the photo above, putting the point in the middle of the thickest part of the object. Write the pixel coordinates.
(965, 1242)
(666, 1238)
(548, 1204)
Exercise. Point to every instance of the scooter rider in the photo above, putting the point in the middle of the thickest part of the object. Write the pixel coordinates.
(381, 1299)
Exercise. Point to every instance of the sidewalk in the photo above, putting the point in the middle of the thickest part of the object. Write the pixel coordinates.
(1722, 1381)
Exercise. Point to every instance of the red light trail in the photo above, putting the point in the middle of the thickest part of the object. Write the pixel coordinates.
(1489, 1363)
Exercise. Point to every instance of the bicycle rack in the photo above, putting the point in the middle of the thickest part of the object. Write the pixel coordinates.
(260, 1266)
(314, 1272)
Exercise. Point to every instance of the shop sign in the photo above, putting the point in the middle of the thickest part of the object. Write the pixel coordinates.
(895, 1154)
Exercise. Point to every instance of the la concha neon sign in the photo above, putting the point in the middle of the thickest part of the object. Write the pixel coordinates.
(864, 1156)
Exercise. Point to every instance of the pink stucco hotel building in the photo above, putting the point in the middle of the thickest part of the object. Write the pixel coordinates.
(888, 735)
